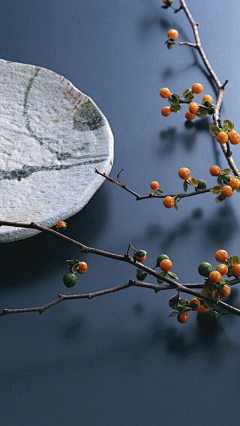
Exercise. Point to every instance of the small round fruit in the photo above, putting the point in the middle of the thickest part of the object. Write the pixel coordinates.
(173, 34)
(201, 184)
(204, 269)
(193, 108)
(154, 185)
(184, 173)
(227, 191)
(197, 88)
(202, 310)
(194, 303)
(166, 111)
(225, 292)
(221, 255)
(69, 279)
(215, 170)
(183, 317)
(212, 317)
(236, 270)
(141, 259)
(169, 202)
(166, 265)
(164, 1)
(207, 98)
(222, 137)
(233, 137)
(190, 116)
(215, 277)
(160, 258)
(234, 183)
(223, 269)
(82, 268)
(61, 224)
(165, 93)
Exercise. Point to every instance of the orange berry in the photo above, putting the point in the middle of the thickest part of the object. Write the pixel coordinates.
(197, 88)
(215, 171)
(193, 108)
(184, 173)
(169, 202)
(215, 276)
(61, 224)
(193, 302)
(165, 93)
(227, 191)
(234, 183)
(236, 270)
(223, 269)
(173, 34)
(166, 111)
(189, 115)
(221, 255)
(154, 185)
(164, 1)
(207, 98)
(222, 137)
(202, 310)
(82, 268)
(141, 259)
(225, 292)
(233, 137)
(166, 265)
(183, 317)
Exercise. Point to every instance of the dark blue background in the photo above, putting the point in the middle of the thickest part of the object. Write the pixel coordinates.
(119, 359)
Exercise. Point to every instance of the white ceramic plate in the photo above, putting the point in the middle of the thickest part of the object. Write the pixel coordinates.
(52, 137)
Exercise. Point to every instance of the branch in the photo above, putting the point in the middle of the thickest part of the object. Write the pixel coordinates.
(144, 197)
(225, 147)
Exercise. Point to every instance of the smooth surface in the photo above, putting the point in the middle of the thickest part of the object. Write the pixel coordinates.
(52, 138)
(119, 360)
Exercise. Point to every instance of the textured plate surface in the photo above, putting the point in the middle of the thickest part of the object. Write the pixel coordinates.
(52, 137)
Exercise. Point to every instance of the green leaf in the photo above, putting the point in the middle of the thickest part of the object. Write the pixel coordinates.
(220, 198)
(170, 46)
(173, 314)
(176, 207)
(186, 92)
(229, 123)
(210, 305)
(172, 275)
(225, 128)
(208, 286)
(238, 190)
(165, 7)
(220, 286)
(216, 190)
(185, 186)
(192, 181)
(140, 253)
(214, 130)
(226, 171)
(217, 297)
(220, 181)
(176, 108)
(235, 260)
(202, 113)
(176, 197)
(189, 97)
(174, 99)
(161, 191)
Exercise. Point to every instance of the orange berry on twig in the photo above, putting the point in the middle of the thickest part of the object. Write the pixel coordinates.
(236, 270)
(82, 268)
(183, 317)
(166, 111)
(221, 255)
(215, 276)
(193, 108)
(154, 185)
(202, 309)
(223, 269)
(184, 173)
(227, 191)
(166, 265)
(194, 303)
(61, 224)
(225, 291)
(207, 98)
(215, 170)
(169, 202)
(234, 183)
(197, 88)
(173, 34)
(165, 93)
(222, 137)
(189, 115)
